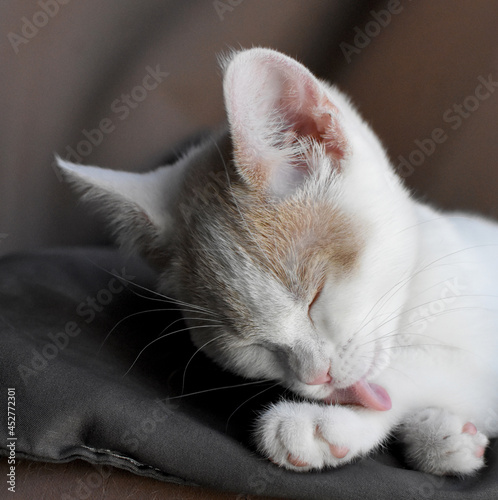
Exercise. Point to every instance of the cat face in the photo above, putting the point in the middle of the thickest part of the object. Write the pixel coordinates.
(298, 288)
(286, 234)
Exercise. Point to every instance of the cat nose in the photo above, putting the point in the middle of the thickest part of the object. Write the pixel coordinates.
(323, 378)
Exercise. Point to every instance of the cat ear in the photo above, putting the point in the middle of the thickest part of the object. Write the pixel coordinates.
(136, 205)
(277, 110)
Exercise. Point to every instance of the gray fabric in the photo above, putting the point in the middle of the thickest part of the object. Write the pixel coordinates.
(73, 400)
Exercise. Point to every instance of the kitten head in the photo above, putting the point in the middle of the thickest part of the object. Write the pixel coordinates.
(285, 233)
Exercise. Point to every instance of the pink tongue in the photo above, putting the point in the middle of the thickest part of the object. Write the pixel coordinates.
(362, 393)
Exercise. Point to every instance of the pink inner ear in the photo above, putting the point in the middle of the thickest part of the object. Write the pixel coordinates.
(311, 114)
(273, 103)
(323, 128)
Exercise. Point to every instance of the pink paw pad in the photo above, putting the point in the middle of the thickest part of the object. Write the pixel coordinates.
(469, 428)
(295, 461)
(338, 451)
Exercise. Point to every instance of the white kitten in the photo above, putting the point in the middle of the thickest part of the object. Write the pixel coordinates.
(324, 273)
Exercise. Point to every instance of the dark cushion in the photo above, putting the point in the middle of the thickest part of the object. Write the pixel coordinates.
(78, 332)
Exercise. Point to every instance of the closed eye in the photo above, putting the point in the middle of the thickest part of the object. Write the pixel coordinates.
(312, 303)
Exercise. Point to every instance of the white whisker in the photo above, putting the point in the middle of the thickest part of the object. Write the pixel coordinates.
(246, 401)
(154, 292)
(193, 355)
(164, 336)
(236, 386)
(138, 313)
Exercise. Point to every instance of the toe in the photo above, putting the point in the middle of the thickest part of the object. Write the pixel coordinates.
(470, 428)
(296, 461)
(338, 451)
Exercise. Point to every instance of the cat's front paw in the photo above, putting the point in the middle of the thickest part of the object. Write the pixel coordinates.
(442, 443)
(305, 436)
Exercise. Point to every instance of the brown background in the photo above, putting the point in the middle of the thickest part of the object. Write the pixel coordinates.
(425, 59)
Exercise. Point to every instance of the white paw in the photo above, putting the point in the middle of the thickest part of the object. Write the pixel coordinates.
(440, 442)
(305, 436)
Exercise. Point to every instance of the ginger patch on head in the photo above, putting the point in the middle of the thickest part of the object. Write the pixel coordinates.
(300, 242)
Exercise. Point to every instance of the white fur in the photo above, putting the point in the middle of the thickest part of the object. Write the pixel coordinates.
(417, 314)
